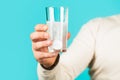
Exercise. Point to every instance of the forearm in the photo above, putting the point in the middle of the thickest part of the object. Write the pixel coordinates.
(60, 72)
(77, 57)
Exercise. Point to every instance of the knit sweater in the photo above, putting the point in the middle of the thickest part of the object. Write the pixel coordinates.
(96, 46)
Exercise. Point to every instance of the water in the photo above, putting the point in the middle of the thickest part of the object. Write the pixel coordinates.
(58, 34)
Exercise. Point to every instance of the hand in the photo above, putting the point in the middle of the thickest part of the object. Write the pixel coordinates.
(40, 44)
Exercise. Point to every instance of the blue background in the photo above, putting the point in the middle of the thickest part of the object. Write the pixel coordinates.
(17, 21)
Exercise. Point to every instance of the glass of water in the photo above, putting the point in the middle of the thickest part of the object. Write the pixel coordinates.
(57, 21)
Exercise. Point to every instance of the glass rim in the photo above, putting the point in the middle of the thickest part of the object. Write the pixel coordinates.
(54, 13)
(57, 6)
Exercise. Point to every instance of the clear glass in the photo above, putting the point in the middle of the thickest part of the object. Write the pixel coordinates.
(57, 21)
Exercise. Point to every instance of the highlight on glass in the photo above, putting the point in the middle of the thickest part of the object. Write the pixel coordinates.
(57, 21)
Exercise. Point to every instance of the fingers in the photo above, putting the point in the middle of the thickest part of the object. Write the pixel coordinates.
(40, 33)
(41, 27)
(42, 55)
(35, 36)
(43, 49)
(46, 58)
(42, 44)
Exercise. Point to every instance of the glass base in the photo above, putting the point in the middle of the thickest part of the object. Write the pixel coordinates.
(64, 50)
(59, 50)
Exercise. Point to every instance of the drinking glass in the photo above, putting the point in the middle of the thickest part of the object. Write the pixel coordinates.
(57, 21)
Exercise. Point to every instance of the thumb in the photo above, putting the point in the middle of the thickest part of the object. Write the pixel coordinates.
(68, 35)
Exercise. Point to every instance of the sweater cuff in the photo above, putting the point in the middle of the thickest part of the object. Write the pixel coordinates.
(52, 67)
(48, 72)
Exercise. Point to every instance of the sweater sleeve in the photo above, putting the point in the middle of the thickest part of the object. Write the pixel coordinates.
(77, 57)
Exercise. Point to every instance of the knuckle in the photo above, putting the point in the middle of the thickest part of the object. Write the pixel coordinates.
(32, 35)
(36, 46)
(37, 26)
(39, 35)
(33, 46)
(38, 56)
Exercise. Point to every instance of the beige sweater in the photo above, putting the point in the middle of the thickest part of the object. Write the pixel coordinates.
(96, 46)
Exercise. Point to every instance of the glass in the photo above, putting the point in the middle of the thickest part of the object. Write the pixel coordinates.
(57, 21)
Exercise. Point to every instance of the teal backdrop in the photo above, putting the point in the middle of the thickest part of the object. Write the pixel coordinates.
(17, 21)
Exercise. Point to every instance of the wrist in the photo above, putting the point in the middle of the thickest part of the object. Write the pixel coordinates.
(51, 66)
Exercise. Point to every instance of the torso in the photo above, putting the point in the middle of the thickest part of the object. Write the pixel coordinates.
(107, 53)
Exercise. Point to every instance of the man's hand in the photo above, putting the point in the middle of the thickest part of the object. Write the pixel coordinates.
(40, 44)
